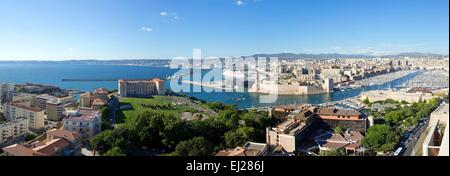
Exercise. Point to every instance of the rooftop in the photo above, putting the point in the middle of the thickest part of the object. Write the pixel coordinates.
(336, 112)
(101, 91)
(21, 104)
(98, 102)
(419, 89)
(442, 110)
(238, 151)
(57, 133)
(249, 149)
(52, 146)
(47, 97)
(141, 80)
(254, 148)
(20, 150)
(82, 114)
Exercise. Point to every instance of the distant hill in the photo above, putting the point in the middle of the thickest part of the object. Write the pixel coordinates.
(416, 54)
(136, 62)
(166, 62)
(336, 55)
(311, 56)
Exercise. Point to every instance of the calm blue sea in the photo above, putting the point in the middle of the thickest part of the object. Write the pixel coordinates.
(54, 73)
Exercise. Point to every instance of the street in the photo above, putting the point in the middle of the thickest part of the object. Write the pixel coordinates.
(410, 139)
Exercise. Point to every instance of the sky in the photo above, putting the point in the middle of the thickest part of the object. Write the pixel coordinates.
(164, 29)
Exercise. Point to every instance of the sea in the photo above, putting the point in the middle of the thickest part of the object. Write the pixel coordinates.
(55, 73)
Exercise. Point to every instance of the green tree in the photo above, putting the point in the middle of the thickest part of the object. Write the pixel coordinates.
(109, 139)
(30, 137)
(240, 136)
(2, 117)
(338, 130)
(106, 123)
(197, 146)
(366, 101)
(115, 151)
(381, 138)
(145, 128)
(394, 117)
(174, 131)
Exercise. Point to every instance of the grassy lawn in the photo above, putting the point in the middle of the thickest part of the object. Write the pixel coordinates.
(136, 104)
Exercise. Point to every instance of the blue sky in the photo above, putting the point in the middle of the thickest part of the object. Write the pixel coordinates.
(153, 29)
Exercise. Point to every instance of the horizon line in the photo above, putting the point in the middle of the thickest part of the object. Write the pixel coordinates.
(331, 53)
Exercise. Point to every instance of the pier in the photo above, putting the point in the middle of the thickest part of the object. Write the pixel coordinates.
(89, 80)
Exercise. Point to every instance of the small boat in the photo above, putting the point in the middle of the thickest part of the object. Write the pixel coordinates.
(238, 99)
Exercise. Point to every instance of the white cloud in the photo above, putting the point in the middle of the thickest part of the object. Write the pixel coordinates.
(239, 2)
(146, 29)
(169, 16)
(70, 49)
(245, 2)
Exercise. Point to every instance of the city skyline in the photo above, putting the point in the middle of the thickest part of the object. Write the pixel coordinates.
(163, 29)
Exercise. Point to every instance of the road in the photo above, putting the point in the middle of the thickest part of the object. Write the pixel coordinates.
(411, 138)
(113, 105)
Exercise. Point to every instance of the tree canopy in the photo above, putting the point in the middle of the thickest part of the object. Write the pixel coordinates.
(163, 129)
(381, 138)
(197, 146)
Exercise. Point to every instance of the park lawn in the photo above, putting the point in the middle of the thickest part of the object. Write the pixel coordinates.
(136, 104)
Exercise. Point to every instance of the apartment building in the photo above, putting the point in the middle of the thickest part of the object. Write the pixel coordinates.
(54, 106)
(95, 99)
(55, 110)
(437, 140)
(288, 134)
(40, 101)
(19, 109)
(299, 125)
(87, 122)
(141, 88)
(12, 129)
(346, 119)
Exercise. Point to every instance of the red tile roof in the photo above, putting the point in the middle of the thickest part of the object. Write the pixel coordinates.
(52, 147)
(20, 150)
(337, 112)
(68, 135)
(98, 102)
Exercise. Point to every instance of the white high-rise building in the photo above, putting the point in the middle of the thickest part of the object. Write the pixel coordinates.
(328, 85)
